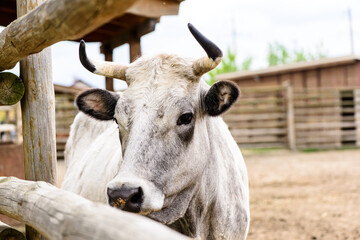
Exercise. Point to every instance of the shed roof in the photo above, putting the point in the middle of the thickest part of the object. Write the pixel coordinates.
(289, 68)
(139, 18)
(67, 90)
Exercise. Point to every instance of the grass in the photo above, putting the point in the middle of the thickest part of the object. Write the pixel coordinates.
(311, 150)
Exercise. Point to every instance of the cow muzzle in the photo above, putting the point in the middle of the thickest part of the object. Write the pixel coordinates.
(126, 198)
(134, 195)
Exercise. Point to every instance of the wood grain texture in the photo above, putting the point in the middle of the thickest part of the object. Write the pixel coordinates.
(38, 113)
(11, 88)
(58, 214)
(54, 21)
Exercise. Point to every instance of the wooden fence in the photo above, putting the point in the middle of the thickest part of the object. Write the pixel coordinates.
(296, 118)
(60, 215)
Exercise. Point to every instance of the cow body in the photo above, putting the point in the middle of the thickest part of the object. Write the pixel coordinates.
(177, 162)
(87, 174)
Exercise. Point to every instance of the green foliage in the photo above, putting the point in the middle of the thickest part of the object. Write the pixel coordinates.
(278, 54)
(246, 64)
(227, 65)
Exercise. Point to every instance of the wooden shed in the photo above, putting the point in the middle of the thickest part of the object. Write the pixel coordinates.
(303, 105)
(322, 73)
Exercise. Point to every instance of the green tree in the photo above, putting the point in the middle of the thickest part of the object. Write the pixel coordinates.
(278, 54)
(227, 65)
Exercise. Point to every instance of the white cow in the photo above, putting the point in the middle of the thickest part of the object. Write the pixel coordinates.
(177, 162)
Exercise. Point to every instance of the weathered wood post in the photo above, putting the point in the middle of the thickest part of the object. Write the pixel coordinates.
(38, 114)
(357, 115)
(108, 52)
(290, 115)
(135, 46)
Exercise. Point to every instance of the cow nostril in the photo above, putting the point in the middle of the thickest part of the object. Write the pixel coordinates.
(138, 197)
(125, 198)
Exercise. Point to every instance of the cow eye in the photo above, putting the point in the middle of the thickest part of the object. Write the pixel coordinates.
(185, 119)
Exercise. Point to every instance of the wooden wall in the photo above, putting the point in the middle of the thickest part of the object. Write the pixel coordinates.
(258, 119)
(320, 117)
(333, 76)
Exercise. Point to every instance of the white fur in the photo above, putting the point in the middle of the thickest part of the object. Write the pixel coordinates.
(199, 189)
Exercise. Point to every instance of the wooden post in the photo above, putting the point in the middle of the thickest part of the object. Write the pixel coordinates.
(357, 115)
(38, 114)
(108, 52)
(290, 115)
(11, 88)
(135, 47)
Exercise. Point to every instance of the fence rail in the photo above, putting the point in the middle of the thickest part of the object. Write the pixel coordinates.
(296, 118)
(58, 214)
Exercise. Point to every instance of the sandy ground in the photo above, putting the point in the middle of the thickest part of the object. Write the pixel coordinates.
(305, 195)
(297, 196)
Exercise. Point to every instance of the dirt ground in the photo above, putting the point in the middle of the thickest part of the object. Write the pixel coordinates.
(304, 195)
(297, 196)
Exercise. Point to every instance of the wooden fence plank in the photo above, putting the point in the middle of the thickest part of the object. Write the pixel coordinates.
(323, 125)
(260, 116)
(257, 124)
(258, 131)
(321, 117)
(259, 139)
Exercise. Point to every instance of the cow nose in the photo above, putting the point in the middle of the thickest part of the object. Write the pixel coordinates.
(126, 198)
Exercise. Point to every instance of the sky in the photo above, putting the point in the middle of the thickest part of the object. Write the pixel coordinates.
(246, 26)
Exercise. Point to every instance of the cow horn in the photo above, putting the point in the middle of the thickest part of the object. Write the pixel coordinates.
(214, 54)
(104, 68)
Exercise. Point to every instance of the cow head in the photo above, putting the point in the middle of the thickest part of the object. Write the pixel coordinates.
(163, 118)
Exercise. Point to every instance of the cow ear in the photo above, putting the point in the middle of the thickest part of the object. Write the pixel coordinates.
(97, 103)
(220, 97)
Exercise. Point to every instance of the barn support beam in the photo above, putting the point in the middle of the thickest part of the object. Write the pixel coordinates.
(55, 21)
(140, 30)
(135, 47)
(59, 214)
(108, 53)
(38, 114)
